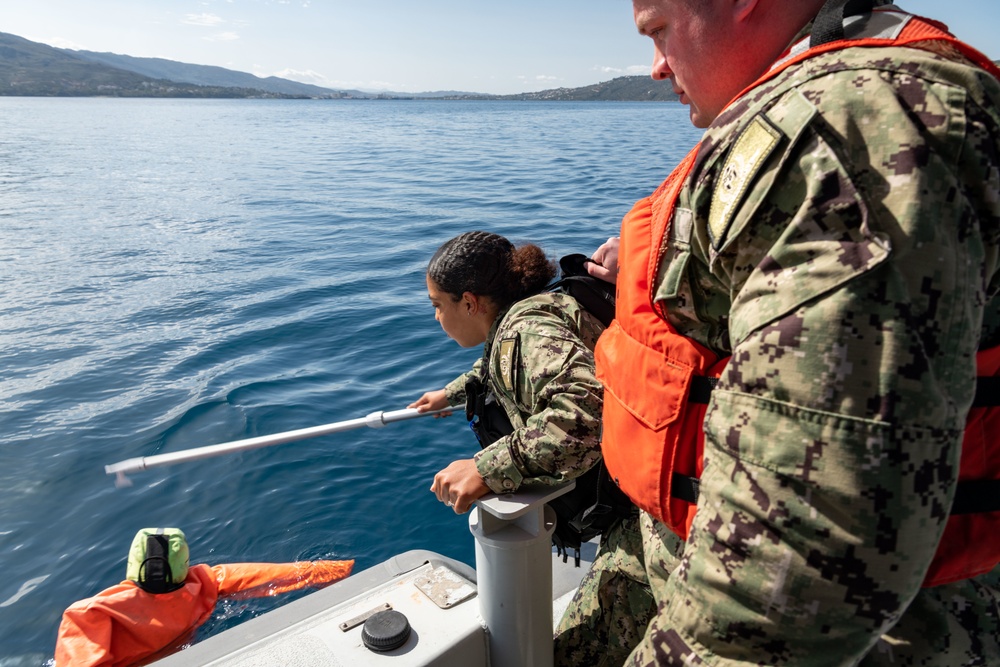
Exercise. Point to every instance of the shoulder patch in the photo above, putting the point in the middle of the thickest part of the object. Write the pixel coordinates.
(751, 149)
(508, 362)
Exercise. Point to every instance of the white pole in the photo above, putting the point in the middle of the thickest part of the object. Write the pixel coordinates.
(514, 574)
(373, 420)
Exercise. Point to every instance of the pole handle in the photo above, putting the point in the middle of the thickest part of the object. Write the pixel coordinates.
(377, 419)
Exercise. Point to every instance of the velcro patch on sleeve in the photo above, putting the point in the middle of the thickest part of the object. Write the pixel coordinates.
(744, 161)
(508, 362)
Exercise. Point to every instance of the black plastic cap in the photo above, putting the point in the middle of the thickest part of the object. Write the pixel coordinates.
(385, 631)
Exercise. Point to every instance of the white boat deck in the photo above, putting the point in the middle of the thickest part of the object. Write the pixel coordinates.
(437, 595)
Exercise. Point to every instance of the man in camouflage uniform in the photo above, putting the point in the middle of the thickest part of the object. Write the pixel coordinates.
(838, 235)
(613, 605)
(541, 367)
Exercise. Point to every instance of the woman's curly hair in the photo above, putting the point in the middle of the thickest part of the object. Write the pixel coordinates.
(489, 265)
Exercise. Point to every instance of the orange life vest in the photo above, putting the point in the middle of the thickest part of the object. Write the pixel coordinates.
(124, 624)
(652, 437)
(656, 381)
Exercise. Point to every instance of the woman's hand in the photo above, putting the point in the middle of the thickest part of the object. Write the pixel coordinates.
(604, 261)
(459, 485)
(432, 400)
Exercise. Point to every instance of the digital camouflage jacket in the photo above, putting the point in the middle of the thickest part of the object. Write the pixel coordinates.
(839, 237)
(541, 367)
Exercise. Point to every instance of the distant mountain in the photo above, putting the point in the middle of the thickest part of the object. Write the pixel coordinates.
(631, 88)
(31, 69)
(620, 89)
(623, 88)
(206, 75)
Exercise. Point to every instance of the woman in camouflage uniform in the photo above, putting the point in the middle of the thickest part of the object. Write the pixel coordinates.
(538, 360)
(538, 346)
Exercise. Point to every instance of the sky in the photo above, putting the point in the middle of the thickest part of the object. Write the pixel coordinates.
(511, 46)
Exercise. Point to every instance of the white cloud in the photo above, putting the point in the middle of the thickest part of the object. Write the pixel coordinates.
(538, 79)
(306, 76)
(61, 43)
(315, 78)
(375, 85)
(631, 69)
(203, 19)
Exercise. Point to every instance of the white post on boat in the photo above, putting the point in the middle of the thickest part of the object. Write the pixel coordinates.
(514, 574)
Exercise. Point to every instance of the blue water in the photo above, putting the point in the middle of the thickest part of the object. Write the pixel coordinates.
(182, 273)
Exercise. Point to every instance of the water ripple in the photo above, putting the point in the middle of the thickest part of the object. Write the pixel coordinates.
(178, 273)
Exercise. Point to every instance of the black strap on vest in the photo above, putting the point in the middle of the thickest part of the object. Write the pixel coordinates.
(685, 488)
(829, 23)
(595, 295)
(701, 389)
(154, 572)
(974, 496)
(987, 392)
(486, 416)
(971, 497)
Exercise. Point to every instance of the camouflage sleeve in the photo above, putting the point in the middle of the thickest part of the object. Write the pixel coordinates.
(858, 269)
(455, 390)
(558, 399)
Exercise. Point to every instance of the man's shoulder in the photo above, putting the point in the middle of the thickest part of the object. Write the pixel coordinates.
(935, 64)
(860, 80)
(891, 92)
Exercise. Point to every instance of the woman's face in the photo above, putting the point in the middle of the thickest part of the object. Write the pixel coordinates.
(456, 317)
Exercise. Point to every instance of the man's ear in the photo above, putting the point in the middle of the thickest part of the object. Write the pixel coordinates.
(742, 9)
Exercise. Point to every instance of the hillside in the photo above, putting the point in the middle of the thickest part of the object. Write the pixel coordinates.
(32, 69)
(623, 88)
(634, 88)
(206, 75)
